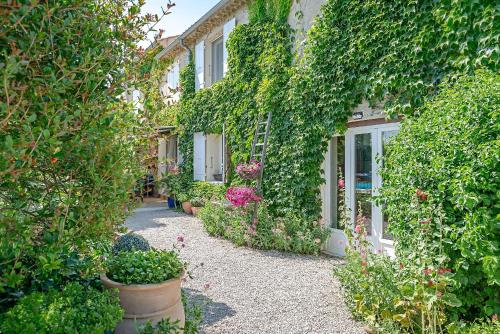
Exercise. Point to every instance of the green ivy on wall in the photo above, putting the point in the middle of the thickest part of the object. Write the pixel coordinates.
(377, 51)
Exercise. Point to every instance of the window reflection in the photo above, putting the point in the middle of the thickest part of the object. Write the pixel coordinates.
(363, 178)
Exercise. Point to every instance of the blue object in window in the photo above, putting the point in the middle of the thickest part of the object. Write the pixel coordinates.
(363, 185)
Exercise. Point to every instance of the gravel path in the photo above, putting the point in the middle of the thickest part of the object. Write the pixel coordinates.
(251, 291)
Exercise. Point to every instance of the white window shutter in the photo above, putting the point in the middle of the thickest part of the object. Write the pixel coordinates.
(199, 156)
(228, 27)
(170, 79)
(176, 74)
(199, 53)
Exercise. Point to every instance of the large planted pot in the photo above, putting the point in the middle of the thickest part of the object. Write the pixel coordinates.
(148, 302)
(187, 207)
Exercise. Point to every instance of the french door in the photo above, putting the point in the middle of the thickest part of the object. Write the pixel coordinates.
(353, 161)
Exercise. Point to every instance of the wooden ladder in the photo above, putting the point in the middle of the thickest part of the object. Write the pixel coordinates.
(259, 146)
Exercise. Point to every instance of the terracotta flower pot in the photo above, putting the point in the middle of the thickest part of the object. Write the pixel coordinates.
(195, 210)
(186, 206)
(148, 302)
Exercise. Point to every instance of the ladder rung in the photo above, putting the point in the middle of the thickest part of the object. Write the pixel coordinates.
(259, 144)
(257, 155)
(260, 133)
(262, 123)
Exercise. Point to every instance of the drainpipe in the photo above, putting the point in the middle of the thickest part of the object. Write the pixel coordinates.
(186, 48)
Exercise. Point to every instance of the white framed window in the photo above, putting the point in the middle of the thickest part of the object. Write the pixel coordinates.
(217, 59)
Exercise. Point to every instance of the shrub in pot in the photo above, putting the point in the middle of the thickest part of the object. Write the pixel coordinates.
(149, 285)
(130, 242)
(74, 309)
(196, 204)
(186, 204)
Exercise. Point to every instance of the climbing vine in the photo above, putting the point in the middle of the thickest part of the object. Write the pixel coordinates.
(395, 53)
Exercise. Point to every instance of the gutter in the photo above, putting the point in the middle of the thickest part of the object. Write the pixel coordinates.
(180, 40)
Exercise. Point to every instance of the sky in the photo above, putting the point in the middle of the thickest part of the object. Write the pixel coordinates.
(184, 14)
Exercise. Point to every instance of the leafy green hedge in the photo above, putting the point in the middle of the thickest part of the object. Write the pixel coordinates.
(450, 154)
(75, 309)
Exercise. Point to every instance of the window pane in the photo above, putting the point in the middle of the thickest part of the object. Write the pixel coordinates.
(386, 135)
(363, 178)
(217, 60)
(338, 180)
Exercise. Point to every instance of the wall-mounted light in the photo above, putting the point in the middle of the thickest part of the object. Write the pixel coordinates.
(357, 115)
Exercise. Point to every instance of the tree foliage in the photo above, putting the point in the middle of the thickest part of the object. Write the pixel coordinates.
(71, 147)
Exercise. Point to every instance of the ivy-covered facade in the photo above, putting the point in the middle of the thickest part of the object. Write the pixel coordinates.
(338, 76)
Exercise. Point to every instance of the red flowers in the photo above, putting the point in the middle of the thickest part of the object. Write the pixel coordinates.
(425, 222)
(442, 271)
(427, 271)
(54, 160)
(341, 183)
(357, 229)
(421, 195)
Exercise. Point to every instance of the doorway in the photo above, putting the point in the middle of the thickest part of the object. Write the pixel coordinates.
(353, 171)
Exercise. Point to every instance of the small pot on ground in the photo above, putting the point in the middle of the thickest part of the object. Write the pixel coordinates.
(147, 302)
(187, 207)
(195, 210)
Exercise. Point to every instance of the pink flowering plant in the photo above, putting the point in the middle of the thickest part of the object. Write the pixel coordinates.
(250, 171)
(408, 294)
(242, 196)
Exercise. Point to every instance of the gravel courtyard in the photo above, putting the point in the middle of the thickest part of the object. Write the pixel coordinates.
(250, 291)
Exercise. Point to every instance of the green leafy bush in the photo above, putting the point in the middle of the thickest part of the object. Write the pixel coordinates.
(130, 242)
(193, 320)
(164, 326)
(144, 267)
(207, 191)
(289, 233)
(482, 327)
(75, 309)
(446, 161)
(67, 159)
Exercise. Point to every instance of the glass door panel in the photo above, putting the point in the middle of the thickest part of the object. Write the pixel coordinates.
(338, 181)
(386, 136)
(363, 178)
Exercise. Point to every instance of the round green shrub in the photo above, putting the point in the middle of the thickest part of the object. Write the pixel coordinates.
(443, 166)
(75, 309)
(130, 242)
(144, 267)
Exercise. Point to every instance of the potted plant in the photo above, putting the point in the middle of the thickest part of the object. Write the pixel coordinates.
(250, 171)
(186, 204)
(196, 204)
(149, 286)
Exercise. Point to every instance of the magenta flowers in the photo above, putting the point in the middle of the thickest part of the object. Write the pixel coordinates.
(241, 196)
(249, 171)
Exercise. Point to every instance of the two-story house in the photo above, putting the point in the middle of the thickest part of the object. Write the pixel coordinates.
(353, 154)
